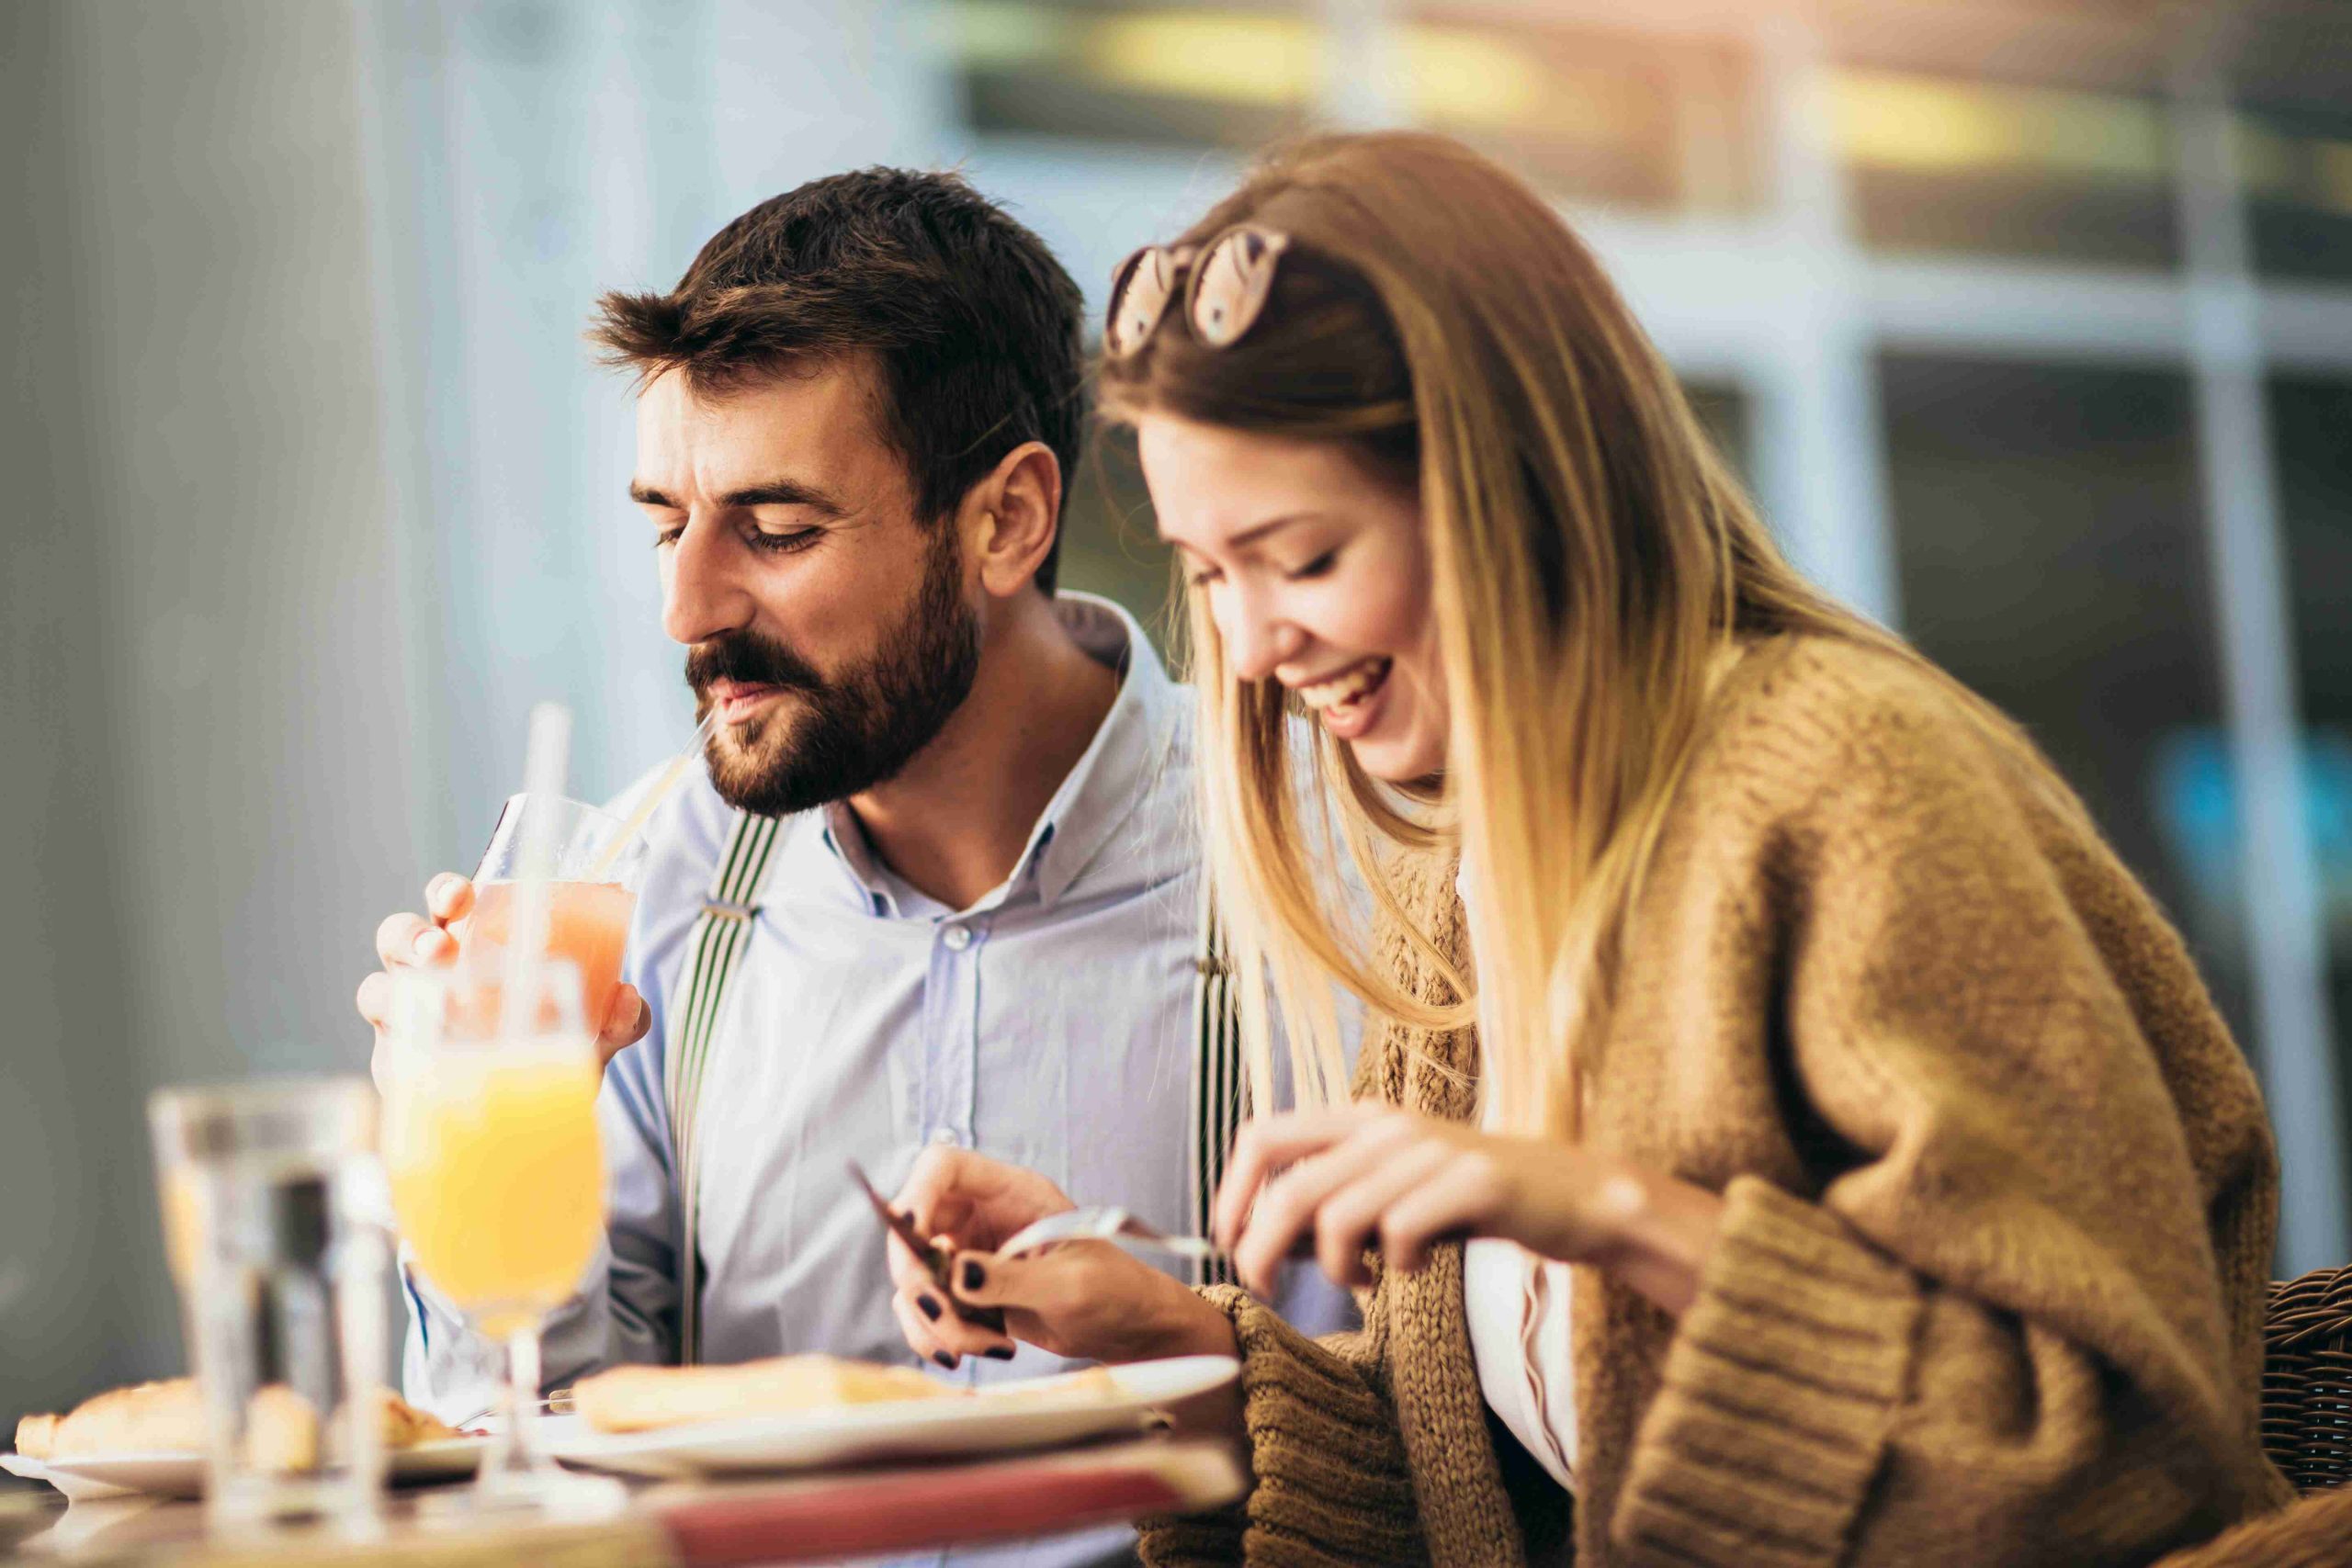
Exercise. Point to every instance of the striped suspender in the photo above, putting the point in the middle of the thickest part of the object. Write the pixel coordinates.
(722, 932)
(1219, 1096)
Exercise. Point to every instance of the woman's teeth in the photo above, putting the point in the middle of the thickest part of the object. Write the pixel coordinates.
(1346, 686)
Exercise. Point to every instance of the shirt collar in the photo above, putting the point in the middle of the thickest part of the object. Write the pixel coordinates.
(1125, 761)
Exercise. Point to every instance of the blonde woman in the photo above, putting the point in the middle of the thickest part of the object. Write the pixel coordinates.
(1847, 1164)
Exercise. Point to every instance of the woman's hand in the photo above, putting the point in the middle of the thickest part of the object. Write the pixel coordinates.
(1086, 1299)
(1372, 1175)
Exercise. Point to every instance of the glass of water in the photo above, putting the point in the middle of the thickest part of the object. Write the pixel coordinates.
(270, 1195)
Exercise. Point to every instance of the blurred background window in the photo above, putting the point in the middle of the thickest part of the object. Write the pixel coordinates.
(2297, 170)
(1593, 115)
(1939, 164)
(2052, 555)
(2312, 432)
(1187, 75)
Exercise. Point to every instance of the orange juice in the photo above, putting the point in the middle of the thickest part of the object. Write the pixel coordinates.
(497, 1174)
(587, 923)
(183, 1224)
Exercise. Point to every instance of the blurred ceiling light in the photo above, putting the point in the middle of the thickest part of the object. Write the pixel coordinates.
(1000, 33)
(1931, 125)
(1228, 56)
(1460, 77)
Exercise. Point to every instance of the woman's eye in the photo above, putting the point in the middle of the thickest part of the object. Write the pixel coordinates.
(1202, 576)
(1315, 568)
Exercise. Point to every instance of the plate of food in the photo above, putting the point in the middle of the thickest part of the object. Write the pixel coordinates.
(150, 1438)
(810, 1412)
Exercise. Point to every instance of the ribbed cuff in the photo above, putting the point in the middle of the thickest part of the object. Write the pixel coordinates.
(1332, 1483)
(1777, 1396)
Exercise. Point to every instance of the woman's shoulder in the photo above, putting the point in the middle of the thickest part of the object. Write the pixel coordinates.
(1813, 723)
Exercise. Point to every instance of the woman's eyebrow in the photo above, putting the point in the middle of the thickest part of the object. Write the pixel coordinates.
(1259, 530)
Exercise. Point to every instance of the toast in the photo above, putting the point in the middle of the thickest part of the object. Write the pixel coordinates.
(641, 1399)
(282, 1430)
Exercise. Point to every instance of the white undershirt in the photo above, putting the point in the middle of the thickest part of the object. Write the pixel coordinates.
(1518, 1309)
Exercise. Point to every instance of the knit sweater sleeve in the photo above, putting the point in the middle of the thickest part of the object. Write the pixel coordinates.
(1997, 1331)
(1331, 1483)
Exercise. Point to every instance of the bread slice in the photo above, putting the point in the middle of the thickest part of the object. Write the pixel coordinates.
(640, 1399)
(163, 1418)
(36, 1435)
(168, 1418)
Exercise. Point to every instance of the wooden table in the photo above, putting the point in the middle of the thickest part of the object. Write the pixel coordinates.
(700, 1525)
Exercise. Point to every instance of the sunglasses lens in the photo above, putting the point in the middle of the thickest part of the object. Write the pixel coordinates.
(1236, 277)
(1138, 298)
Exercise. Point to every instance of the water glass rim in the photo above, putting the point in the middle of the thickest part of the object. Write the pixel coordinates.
(313, 1114)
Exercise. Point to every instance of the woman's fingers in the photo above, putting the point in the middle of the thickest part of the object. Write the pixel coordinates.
(1265, 1145)
(916, 1329)
(1348, 1223)
(1285, 1214)
(1462, 1195)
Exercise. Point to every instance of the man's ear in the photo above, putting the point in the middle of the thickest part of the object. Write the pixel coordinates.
(1009, 518)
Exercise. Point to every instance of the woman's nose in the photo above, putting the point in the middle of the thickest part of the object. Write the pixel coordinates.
(1257, 643)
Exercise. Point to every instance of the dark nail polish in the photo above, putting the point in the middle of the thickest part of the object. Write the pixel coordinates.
(944, 1358)
(930, 1305)
(974, 1275)
(999, 1352)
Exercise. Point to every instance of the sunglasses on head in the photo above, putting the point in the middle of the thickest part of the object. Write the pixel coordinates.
(1225, 282)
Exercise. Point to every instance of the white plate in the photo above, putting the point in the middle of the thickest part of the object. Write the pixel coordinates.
(182, 1475)
(999, 1418)
(75, 1489)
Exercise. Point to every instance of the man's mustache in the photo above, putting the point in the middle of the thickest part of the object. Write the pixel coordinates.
(748, 659)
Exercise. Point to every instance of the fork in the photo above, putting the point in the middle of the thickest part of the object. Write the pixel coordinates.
(1104, 1224)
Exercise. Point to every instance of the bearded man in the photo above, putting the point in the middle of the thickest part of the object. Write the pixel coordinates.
(938, 884)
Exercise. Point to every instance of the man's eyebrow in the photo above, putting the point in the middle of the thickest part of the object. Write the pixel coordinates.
(774, 492)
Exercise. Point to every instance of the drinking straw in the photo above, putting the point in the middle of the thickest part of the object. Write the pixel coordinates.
(526, 936)
(655, 796)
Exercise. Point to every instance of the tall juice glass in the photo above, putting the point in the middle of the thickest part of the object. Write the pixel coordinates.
(590, 900)
(497, 1176)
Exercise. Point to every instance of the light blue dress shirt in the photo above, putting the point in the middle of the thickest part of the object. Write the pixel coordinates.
(1049, 1024)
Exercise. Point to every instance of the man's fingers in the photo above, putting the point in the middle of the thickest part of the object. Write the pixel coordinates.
(375, 998)
(399, 938)
(449, 897)
(629, 1018)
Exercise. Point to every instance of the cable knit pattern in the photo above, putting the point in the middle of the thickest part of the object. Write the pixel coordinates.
(1999, 1195)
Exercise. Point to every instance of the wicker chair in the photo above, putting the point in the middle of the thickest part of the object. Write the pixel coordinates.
(2307, 1379)
(2306, 1430)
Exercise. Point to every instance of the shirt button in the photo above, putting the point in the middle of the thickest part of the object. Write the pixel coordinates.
(957, 938)
(943, 1135)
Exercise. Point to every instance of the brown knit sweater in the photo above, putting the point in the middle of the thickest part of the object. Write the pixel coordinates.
(1999, 1197)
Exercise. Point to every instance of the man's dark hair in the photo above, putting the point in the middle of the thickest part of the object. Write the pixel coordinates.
(974, 324)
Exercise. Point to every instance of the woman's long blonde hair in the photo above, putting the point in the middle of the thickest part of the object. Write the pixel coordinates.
(1594, 564)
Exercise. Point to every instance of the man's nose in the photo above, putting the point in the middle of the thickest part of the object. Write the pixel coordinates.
(702, 594)
(1256, 642)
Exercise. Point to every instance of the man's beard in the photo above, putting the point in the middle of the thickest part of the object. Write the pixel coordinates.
(856, 731)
